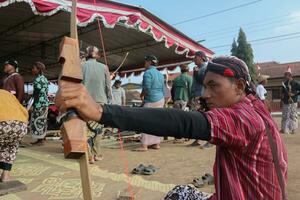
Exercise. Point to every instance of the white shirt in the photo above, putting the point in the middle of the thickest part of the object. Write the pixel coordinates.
(118, 95)
(261, 92)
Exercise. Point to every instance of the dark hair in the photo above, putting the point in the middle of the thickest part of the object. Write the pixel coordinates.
(202, 55)
(118, 82)
(40, 66)
(13, 63)
(152, 59)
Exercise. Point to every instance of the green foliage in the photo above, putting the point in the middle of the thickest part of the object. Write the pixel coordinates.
(243, 50)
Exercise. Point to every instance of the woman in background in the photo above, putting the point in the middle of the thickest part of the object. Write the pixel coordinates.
(38, 121)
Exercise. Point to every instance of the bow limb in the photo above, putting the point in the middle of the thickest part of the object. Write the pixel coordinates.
(123, 61)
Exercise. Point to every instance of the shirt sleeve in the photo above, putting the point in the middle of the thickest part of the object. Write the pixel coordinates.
(20, 88)
(260, 92)
(190, 83)
(228, 128)
(147, 80)
(108, 85)
(298, 88)
(157, 121)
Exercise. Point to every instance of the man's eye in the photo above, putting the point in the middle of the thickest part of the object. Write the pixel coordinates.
(212, 85)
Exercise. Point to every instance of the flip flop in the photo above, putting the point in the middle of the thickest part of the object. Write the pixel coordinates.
(140, 149)
(194, 144)
(198, 183)
(208, 178)
(154, 147)
(139, 169)
(150, 170)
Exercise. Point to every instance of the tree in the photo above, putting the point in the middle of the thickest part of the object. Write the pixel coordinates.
(243, 51)
(234, 48)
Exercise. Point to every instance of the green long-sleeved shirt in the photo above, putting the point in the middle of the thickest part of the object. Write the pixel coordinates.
(181, 89)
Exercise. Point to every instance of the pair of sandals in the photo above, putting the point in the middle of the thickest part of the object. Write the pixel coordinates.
(207, 179)
(143, 170)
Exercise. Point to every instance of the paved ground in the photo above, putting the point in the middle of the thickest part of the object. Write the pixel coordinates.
(49, 176)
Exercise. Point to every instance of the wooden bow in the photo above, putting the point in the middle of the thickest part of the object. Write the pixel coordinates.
(73, 129)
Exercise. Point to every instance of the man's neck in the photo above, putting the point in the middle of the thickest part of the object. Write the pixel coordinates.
(11, 72)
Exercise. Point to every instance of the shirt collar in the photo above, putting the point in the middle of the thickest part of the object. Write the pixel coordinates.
(151, 67)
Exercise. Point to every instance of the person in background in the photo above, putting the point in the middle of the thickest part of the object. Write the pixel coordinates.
(13, 127)
(38, 120)
(13, 81)
(96, 78)
(291, 91)
(181, 91)
(251, 159)
(261, 91)
(197, 91)
(152, 96)
(181, 88)
(118, 94)
(167, 91)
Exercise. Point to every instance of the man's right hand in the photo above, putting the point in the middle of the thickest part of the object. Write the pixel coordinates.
(76, 96)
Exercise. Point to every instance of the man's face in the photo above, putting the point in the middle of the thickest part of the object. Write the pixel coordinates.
(220, 92)
(198, 60)
(288, 76)
(147, 64)
(8, 68)
(118, 85)
(34, 70)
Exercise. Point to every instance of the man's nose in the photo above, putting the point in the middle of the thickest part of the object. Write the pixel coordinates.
(206, 94)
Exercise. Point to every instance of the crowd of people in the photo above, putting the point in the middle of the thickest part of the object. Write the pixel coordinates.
(217, 104)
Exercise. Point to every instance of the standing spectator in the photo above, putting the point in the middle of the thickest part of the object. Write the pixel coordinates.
(13, 127)
(152, 96)
(261, 91)
(197, 101)
(38, 121)
(118, 94)
(167, 92)
(13, 82)
(181, 89)
(291, 91)
(96, 79)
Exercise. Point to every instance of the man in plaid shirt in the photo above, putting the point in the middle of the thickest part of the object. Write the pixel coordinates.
(251, 160)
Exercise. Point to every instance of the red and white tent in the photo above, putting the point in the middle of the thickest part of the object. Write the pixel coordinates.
(31, 30)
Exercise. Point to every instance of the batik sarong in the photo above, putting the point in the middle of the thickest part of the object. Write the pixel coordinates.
(11, 133)
(289, 121)
(38, 122)
(185, 192)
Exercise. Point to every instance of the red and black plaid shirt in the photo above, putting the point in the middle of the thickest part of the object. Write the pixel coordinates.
(246, 164)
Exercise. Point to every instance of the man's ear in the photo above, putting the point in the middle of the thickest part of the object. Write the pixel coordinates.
(240, 86)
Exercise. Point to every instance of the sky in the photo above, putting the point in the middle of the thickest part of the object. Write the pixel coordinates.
(260, 19)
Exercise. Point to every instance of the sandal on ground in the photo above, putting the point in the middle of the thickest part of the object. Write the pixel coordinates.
(194, 144)
(208, 178)
(139, 169)
(198, 183)
(141, 149)
(150, 170)
(178, 141)
(154, 146)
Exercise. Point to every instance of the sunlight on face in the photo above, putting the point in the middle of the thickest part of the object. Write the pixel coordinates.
(220, 91)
